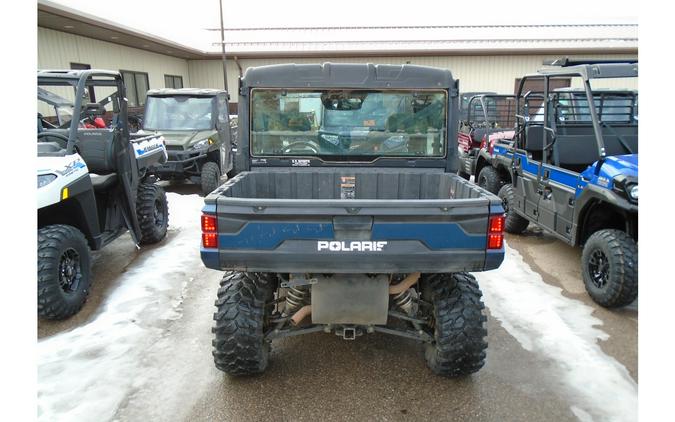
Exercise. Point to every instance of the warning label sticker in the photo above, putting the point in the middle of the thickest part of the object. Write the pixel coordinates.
(347, 187)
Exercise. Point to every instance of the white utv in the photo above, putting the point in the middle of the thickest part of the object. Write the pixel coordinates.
(94, 182)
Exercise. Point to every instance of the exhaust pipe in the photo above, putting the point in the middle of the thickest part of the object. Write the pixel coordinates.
(405, 284)
(301, 314)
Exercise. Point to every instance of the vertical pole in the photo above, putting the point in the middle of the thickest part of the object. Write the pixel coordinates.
(222, 44)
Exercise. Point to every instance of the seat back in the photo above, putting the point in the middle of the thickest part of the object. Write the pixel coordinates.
(535, 140)
(479, 133)
(574, 151)
(96, 148)
(576, 144)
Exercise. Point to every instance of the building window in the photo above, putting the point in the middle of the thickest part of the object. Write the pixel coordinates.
(79, 66)
(137, 87)
(173, 81)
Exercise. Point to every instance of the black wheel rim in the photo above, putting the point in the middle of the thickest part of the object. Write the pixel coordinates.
(598, 268)
(70, 270)
(159, 214)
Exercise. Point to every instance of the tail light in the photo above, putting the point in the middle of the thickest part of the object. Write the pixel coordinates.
(491, 146)
(495, 233)
(209, 231)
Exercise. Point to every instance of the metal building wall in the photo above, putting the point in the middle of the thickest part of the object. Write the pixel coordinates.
(56, 50)
(475, 73)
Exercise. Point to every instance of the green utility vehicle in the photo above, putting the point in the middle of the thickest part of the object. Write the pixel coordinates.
(196, 128)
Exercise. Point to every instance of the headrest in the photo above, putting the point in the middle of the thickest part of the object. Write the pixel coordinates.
(94, 109)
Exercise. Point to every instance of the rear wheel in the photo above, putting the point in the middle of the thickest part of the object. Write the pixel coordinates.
(514, 222)
(457, 324)
(152, 212)
(210, 177)
(610, 266)
(489, 179)
(239, 346)
(64, 271)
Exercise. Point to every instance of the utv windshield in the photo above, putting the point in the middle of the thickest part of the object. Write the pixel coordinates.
(181, 112)
(56, 102)
(348, 123)
(55, 107)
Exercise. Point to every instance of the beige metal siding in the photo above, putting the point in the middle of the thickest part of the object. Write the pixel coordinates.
(475, 73)
(56, 50)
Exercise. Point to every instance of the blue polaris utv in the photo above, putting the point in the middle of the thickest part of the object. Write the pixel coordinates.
(573, 171)
(347, 216)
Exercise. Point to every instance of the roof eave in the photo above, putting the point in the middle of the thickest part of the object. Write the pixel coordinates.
(270, 54)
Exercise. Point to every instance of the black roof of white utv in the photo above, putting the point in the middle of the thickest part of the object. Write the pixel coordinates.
(347, 75)
(75, 74)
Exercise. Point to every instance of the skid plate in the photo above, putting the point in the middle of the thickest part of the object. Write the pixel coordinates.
(350, 299)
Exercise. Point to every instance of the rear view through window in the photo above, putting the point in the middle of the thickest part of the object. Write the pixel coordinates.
(178, 113)
(348, 123)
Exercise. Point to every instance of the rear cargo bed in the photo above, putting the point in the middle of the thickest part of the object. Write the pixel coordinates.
(351, 221)
(369, 184)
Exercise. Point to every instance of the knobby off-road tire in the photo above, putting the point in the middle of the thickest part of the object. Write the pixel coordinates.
(464, 175)
(210, 177)
(64, 271)
(152, 212)
(513, 223)
(489, 179)
(459, 325)
(609, 264)
(239, 346)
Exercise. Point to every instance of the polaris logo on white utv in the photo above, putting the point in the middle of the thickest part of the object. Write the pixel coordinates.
(355, 246)
(148, 148)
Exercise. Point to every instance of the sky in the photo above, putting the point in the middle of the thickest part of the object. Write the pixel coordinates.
(188, 22)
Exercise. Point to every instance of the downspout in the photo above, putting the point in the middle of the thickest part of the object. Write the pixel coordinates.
(236, 61)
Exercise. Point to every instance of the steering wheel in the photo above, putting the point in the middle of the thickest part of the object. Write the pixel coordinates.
(60, 136)
(303, 145)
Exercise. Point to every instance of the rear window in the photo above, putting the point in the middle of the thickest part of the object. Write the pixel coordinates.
(348, 123)
(179, 113)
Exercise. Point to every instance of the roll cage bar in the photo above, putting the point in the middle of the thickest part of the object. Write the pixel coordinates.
(481, 99)
(80, 79)
(587, 71)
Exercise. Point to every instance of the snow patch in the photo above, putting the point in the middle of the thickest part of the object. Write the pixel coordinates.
(543, 321)
(86, 373)
(581, 414)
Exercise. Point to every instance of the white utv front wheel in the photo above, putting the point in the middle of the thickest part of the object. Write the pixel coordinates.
(64, 271)
(152, 211)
